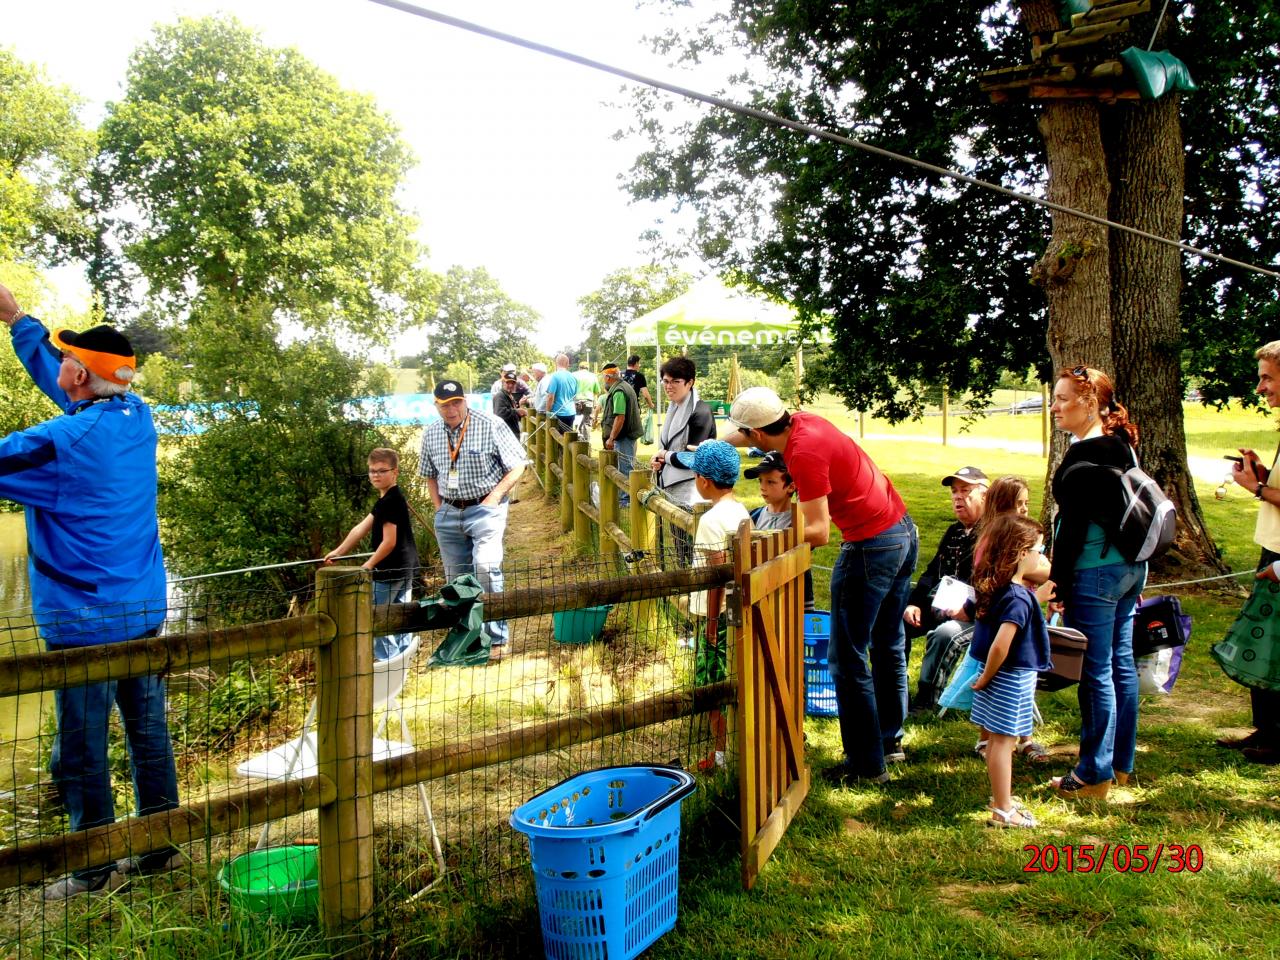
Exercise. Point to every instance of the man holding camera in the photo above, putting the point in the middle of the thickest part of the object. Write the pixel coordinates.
(1263, 744)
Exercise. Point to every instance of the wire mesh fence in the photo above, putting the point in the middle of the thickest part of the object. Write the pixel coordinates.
(455, 749)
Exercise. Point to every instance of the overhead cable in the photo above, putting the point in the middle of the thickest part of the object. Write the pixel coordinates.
(808, 130)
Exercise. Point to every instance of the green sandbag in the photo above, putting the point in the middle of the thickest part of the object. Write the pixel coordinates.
(1250, 652)
(457, 608)
(1156, 73)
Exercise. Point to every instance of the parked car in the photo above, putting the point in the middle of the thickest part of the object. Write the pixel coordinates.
(1029, 405)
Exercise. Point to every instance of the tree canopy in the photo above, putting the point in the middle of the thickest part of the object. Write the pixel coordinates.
(929, 281)
(44, 163)
(623, 295)
(477, 323)
(233, 168)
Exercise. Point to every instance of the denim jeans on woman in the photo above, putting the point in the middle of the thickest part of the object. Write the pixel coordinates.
(79, 762)
(1101, 607)
(867, 654)
(470, 541)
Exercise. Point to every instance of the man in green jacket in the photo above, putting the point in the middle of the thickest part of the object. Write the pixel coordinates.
(620, 420)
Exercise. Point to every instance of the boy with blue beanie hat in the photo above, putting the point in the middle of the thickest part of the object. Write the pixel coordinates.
(715, 465)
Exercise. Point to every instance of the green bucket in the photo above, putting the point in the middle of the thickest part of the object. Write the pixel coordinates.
(579, 626)
(278, 882)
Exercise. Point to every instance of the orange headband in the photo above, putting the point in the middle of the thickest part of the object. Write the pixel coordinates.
(104, 365)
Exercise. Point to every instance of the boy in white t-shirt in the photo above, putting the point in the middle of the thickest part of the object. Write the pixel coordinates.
(715, 465)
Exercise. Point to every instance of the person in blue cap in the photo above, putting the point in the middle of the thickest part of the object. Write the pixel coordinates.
(715, 465)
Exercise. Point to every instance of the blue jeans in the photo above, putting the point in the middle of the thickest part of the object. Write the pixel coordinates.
(470, 541)
(391, 591)
(626, 460)
(79, 758)
(938, 642)
(867, 655)
(1101, 607)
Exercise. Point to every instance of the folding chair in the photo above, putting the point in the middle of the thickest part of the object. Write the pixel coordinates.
(297, 758)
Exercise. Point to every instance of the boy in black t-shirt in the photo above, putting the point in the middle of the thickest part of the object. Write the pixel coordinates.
(395, 553)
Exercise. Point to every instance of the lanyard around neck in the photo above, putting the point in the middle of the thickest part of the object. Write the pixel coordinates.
(462, 433)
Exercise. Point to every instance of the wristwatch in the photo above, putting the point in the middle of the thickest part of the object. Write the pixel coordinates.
(1257, 491)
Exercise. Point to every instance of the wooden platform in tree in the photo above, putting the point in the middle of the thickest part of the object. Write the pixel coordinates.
(1075, 62)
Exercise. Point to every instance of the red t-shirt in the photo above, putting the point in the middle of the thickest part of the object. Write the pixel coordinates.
(824, 462)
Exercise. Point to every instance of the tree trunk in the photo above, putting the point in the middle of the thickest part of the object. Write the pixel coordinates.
(1075, 271)
(1146, 162)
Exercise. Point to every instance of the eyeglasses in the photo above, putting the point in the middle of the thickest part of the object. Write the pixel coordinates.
(379, 472)
(668, 381)
(1081, 372)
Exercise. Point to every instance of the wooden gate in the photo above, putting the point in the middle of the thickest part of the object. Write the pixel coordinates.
(773, 776)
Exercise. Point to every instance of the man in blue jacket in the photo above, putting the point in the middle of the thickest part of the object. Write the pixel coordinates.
(87, 479)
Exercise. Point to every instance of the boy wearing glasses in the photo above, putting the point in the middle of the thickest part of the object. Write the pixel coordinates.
(394, 561)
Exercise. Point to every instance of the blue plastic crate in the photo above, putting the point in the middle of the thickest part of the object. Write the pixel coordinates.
(605, 847)
(819, 688)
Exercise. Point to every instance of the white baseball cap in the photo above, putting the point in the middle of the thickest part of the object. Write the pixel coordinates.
(756, 407)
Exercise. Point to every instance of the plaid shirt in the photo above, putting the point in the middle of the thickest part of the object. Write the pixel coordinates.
(489, 452)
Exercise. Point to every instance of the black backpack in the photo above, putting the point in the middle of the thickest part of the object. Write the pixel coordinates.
(1148, 519)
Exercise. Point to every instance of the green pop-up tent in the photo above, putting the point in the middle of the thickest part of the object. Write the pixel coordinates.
(711, 314)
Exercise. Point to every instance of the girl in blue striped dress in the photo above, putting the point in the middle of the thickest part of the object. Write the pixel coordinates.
(1011, 640)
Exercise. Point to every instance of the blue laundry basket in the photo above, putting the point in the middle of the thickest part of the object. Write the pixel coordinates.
(819, 688)
(605, 847)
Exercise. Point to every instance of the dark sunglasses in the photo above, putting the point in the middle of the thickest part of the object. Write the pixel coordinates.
(1081, 372)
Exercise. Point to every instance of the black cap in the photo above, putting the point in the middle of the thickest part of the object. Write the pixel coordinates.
(447, 390)
(772, 461)
(965, 474)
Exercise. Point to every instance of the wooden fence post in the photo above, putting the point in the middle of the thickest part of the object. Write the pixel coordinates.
(644, 612)
(344, 744)
(1044, 420)
(566, 481)
(946, 403)
(608, 503)
(546, 444)
(581, 493)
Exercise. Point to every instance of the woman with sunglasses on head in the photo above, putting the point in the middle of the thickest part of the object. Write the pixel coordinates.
(1096, 587)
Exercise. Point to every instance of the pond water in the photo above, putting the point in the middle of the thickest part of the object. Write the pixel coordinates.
(19, 716)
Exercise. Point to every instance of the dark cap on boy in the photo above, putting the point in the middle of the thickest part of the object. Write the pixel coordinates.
(772, 462)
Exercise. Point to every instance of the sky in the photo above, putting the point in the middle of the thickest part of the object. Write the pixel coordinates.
(517, 171)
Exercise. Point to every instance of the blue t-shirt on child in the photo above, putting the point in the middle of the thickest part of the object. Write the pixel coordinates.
(1014, 603)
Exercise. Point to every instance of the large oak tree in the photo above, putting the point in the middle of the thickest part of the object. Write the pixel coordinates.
(933, 281)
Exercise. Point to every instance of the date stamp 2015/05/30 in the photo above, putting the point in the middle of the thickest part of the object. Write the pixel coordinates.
(1117, 857)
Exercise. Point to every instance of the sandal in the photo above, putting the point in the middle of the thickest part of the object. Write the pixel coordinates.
(1017, 803)
(980, 748)
(1072, 787)
(1033, 751)
(1015, 817)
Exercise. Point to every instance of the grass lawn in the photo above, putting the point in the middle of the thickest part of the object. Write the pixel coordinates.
(909, 870)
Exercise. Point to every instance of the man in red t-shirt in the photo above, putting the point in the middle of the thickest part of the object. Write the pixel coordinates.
(836, 481)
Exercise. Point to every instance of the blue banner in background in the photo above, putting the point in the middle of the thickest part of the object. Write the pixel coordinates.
(399, 410)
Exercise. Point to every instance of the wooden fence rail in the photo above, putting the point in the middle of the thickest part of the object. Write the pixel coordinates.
(566, 469)
(342, 790)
